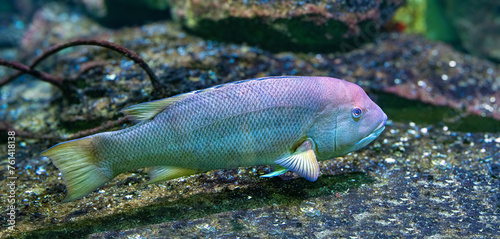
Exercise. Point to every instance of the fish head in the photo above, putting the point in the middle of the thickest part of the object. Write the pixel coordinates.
(358, 119)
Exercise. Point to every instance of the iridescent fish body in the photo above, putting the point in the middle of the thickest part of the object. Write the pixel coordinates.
(289, 121)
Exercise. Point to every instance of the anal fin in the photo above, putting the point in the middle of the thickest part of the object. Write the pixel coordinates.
(164, 173)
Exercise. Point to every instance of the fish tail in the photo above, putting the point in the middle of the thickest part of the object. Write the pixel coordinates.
(77, 161)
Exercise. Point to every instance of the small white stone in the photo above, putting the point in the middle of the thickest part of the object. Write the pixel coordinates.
(421, 83)
(390, 160)
(111, 77)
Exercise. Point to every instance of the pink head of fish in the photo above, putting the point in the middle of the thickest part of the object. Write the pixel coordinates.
(358, 121)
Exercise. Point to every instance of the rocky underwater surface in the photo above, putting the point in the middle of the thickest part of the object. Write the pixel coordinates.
(434, 171)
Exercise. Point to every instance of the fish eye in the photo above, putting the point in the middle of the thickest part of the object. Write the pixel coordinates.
(356, 112)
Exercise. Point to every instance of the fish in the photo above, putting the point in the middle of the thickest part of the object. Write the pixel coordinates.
(291, 122)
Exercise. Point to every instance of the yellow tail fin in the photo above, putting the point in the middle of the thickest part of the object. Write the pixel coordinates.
(77, 162)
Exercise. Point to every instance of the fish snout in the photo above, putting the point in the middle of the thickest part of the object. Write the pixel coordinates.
(378, 116)
(384, 121)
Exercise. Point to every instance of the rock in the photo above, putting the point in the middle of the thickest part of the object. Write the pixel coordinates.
(21, 8)
(454, 22)
(434, 174)
(324, 25)
(117, 13)
(439, 27)
(440, 178)
(13, 17)
(55, 23)
(477, 24)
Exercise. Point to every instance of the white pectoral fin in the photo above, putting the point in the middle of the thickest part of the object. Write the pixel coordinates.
(303, 162)
(164, 173)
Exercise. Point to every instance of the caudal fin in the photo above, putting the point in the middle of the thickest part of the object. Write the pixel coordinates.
(76, 159)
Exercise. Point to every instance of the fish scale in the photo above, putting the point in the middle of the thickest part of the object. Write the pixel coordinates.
(289, 121)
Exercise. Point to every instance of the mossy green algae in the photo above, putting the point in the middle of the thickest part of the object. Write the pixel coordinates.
(274, 191)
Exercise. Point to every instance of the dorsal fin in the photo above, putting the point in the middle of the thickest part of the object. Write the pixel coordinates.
(149, 110)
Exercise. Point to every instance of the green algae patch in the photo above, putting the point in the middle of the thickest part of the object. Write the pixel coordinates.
(320, 26)
(271, 192)
(294, 34)
(119, 13)
(403, 110)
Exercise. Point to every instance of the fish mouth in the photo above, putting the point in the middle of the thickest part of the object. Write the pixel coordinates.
(373, 135)
(379, 129)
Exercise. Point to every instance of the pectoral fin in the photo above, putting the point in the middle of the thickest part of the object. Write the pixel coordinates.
(164, 173)
(303, 162)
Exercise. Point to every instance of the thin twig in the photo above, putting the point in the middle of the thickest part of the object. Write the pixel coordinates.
(87, 66)
(109, 45)
(158, 88)
(28, 70)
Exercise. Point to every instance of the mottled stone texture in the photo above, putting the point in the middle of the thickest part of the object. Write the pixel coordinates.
(477, 23)
(287, 25)
(117, 13)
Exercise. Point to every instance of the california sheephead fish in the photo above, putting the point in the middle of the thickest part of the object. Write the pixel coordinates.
(290, 121)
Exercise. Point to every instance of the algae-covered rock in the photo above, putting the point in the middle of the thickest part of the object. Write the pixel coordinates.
(116, 13)
(477, 24)
(410, 18)
(473, 26)
(322, 25)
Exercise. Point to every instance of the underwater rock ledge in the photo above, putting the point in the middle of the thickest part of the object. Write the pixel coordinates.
(321, 26)
(416, 179)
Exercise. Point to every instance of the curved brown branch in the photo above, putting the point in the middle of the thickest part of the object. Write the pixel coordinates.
(28, 70)
(109, 45)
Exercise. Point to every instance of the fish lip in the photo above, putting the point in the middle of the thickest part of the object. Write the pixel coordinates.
(381, 127)
(370, 137)
(376, 132)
